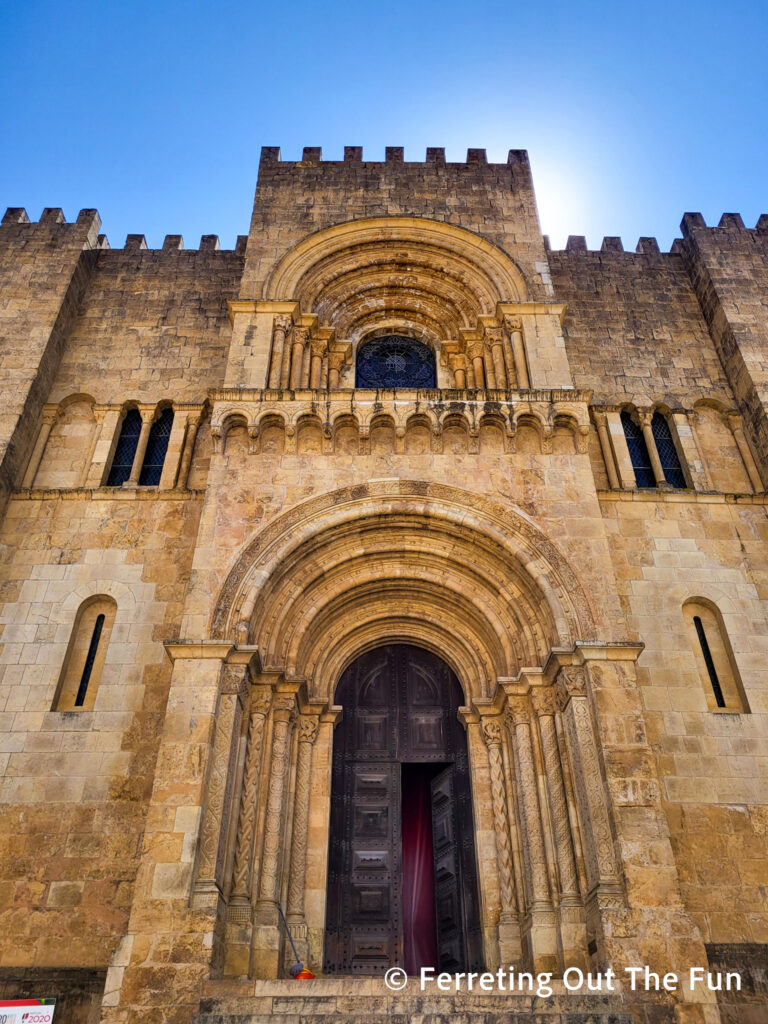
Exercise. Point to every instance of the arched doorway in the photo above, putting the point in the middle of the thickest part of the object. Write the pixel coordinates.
(402, 885)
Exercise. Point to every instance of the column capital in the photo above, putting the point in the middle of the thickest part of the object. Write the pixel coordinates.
(518, 711)
(492, 731)
(512, 323)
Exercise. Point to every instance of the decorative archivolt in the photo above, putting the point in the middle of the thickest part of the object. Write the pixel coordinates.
(402, 560)
(471, 266)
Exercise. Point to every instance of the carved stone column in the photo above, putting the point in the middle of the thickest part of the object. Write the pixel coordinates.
(457, 364)
(317, 348)
(308, 726)
(497, 353)
(266, 935)
(604, 888)
(335, 363)
(281, 328)
(736, 425)
(573, 935)
(475, 353)
(510, 946)
(249, 799)
(221, 776)
(306, 363)
(50, 415)
(147, 416)
(189, 448)
(650, 443)
(490, 370)
(300, 336)
(605, 446)
(540, 919)
(515, 327)
(285, 362)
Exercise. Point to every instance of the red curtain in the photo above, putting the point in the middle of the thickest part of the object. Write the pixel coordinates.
(418, 891)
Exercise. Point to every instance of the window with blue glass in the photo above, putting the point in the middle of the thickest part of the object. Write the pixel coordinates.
(395, 361)
(157, 446)
(670, 461)
(638, 452)
(125, 449)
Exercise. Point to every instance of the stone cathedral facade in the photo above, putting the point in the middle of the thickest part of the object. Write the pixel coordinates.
(393, 572)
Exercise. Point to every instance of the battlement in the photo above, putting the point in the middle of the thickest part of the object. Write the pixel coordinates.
(16, 218)
(646, 245)
(312, 156)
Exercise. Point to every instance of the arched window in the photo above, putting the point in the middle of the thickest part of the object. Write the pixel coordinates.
(157, 446)
(638, 452)
(670, 461)
(711, 648)
(395, 362)
(84, 660)
(125, 449)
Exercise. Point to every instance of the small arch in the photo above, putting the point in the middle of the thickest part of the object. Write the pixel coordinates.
(528, 434)
(395, 361)
(382, 435)
(309, 435)
(346, 435)
(418, 436)
(125, 449)
(86, 652)
(491, 435)
(455, 435)
(64, 462)
(718, 447)
(564, 435)
(157, 446)
(638, 450)
(714, 656)
(272, 435)
(668, 455)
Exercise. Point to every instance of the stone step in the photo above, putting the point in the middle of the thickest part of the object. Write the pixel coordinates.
(367, 1008)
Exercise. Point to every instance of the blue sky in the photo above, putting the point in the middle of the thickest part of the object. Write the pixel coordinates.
(155, 113)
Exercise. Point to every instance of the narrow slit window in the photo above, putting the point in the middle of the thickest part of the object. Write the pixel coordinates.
(719, 699)
(716, 665)
(638, 452)
(157, 446)
(125, 449)
(86, 655)
(668, 457)
(89, 660)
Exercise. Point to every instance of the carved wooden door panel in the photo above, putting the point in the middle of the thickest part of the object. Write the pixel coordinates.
(400, 705)
(456, 910)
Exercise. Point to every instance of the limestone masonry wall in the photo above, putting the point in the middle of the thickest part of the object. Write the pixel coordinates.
(495, 518)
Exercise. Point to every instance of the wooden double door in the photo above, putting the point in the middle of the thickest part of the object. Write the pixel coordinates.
(402, 880)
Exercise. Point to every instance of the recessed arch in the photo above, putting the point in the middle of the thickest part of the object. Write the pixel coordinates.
(480, 267)
(406, 559)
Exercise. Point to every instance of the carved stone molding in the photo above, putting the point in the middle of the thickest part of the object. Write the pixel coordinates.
(244, 849)
(308, 729)
(492, 733)
(273, 823)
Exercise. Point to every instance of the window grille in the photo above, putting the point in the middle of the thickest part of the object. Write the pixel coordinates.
(89, 660)
(638, 452)
(670, 463)
(157, 446)
(395, 362)
(125, 449)
(708, 661)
